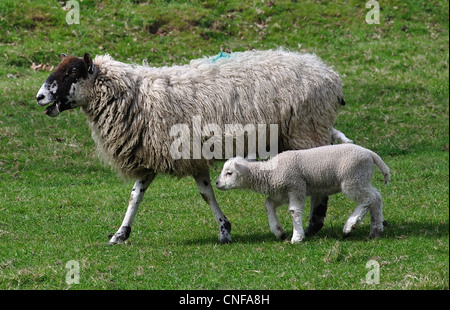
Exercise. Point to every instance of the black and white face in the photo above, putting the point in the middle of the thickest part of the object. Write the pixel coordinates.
(68, 86)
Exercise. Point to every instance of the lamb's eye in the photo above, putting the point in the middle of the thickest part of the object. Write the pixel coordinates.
(229, 173)
(73, 72)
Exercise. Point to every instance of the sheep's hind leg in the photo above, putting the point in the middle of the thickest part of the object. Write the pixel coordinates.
(204, 186)
(137, 193)
(317, 213)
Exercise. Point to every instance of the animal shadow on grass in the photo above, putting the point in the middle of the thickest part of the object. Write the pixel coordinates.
(394, 230)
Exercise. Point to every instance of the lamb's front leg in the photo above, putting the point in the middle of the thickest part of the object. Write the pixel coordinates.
(204, 186)
(274, 224)
(296, 206)
(137, 193)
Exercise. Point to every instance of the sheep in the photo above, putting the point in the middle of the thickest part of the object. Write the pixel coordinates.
(131, 110)
(291, 176)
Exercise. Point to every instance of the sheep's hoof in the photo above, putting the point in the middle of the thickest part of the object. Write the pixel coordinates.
(224, 232)
(120, 236)
(313, 228)
(224, 240)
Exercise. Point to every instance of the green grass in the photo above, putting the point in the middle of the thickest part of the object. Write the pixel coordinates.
(58, 202)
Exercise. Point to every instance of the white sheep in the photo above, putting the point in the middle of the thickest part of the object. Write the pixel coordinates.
(291, 176)
(131, 110)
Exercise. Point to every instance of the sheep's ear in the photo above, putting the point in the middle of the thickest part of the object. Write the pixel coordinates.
(63, 56)
(88, 61)
(241, 167)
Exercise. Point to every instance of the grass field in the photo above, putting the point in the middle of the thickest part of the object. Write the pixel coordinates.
(58, 202)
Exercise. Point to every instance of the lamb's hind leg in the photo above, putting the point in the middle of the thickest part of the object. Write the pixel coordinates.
(365, 197)
(377, 222)
(204, 186)
(137, 193)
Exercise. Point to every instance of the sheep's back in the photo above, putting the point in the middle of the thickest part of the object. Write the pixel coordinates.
(297, 92)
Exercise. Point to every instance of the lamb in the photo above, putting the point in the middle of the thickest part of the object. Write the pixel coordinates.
(131, 110)
(291, 176)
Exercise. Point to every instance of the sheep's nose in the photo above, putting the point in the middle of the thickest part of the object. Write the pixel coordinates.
(40, 97)
(217, 183)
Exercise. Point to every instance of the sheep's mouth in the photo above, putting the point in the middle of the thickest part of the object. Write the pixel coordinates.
(53, 109)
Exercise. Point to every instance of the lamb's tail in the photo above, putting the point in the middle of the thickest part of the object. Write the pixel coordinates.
(382, 166)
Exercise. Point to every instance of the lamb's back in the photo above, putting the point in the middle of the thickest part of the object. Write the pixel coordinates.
(323, 169)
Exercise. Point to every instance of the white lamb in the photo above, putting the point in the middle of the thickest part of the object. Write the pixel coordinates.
(291, 176)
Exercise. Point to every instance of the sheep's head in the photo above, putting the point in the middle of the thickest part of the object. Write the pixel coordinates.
(68, 86)
(233, 174)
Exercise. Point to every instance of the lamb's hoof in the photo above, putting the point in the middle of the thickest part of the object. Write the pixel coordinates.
(120, 236)
(348, 229)
(282, 236)
(297, 239)
(346, 235)
(376, 234)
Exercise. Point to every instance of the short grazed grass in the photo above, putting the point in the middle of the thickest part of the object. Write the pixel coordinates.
(58, 202)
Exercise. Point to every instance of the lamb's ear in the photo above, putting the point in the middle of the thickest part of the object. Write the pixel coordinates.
(241, 167)
(251, 157)
(63, 56)
(89, 64)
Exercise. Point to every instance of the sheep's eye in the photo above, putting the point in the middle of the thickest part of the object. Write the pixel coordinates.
(73, 72)
(229, 173)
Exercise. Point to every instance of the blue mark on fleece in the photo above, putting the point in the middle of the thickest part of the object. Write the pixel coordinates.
(220, 56)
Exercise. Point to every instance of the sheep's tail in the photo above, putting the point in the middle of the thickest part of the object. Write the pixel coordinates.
(382, 166)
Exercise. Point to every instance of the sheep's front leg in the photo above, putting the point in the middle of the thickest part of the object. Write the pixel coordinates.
(274, 224)
(204, 186)
(137, 193)
(296, 206)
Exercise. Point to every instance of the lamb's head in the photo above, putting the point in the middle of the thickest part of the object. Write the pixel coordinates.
(233, 174)
(68, 86)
